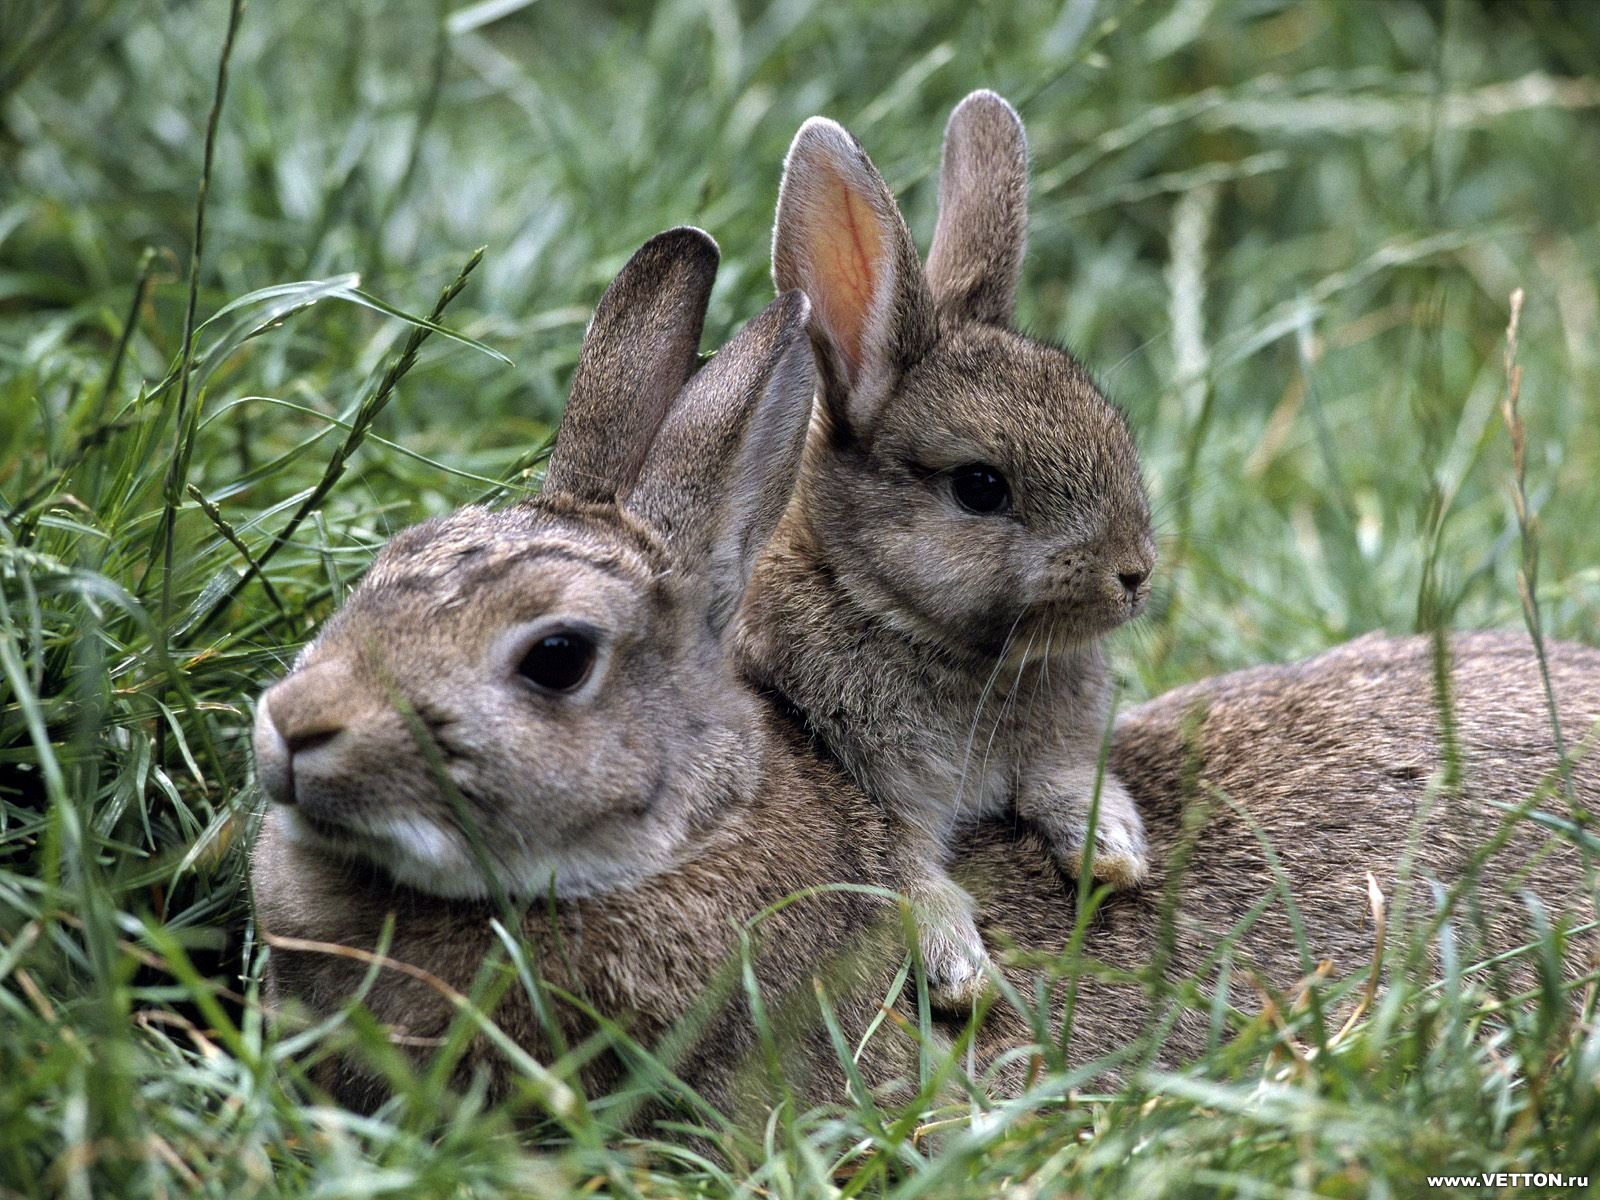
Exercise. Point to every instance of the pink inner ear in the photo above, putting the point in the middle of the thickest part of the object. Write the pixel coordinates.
(847, 256)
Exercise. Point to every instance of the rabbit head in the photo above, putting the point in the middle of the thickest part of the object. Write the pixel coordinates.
(533, 699)
(975, 480)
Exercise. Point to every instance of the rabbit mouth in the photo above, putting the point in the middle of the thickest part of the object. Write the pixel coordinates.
(1045, 637)
(410, 849)
(323, 829)
(1069, 621)
(334, 837)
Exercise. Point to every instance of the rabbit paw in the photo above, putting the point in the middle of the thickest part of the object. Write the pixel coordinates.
(952, 949)
(1121, 855)
(1059, 803)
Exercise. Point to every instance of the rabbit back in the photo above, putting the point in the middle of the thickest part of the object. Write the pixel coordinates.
(1332, 761)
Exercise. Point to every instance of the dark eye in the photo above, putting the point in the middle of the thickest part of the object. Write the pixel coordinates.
(979, 488)
(558, 662)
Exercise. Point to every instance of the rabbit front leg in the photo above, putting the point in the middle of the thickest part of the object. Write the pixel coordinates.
(1059, 803)
(948, 940)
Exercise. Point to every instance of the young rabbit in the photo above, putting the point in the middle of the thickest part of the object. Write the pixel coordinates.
(970, 521)
(538, 703)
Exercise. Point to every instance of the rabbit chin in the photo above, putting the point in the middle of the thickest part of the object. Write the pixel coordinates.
(1056, 625)
(419, 853)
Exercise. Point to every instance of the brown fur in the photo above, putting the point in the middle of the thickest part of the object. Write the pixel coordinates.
(976, 256)
(645, 957)
(1335, 762)
(418, 765)
(409, 735)
(1329, 759)
(642, 344)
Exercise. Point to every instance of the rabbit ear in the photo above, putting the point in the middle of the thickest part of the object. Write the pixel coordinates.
(983, 211)
(638, 351)
(840, 239)
(724, 464)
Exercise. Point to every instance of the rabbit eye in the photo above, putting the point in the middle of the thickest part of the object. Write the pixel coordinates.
(979, 488)
(558, 662)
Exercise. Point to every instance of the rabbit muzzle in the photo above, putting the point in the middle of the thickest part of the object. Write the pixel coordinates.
(331, 757)
(306, 727)
(1086, 595)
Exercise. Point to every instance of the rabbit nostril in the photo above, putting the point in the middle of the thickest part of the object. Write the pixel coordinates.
(299, 743)
(1132, 581)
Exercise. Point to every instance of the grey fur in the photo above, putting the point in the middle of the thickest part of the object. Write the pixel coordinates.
(638, 350)
(660, 790)
(608, 784)
(951, 661)
(768, 370)
(975, 258)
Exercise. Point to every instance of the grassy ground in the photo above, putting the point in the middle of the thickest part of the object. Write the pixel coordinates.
(1285, 234)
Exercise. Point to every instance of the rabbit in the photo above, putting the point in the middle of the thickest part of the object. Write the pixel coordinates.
(1329, 761)
(1336, 762)
(536, 706)
(970, 521)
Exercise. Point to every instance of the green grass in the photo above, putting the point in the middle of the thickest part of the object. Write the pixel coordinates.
(1285, 236)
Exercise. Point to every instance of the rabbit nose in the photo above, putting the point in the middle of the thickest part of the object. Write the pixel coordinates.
(301, 715)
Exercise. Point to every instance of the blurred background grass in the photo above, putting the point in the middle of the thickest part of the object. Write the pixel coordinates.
(1283, 234)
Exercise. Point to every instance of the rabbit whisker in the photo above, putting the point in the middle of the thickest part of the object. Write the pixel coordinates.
(977, 713)
(1010, 699)
(1041, 682)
